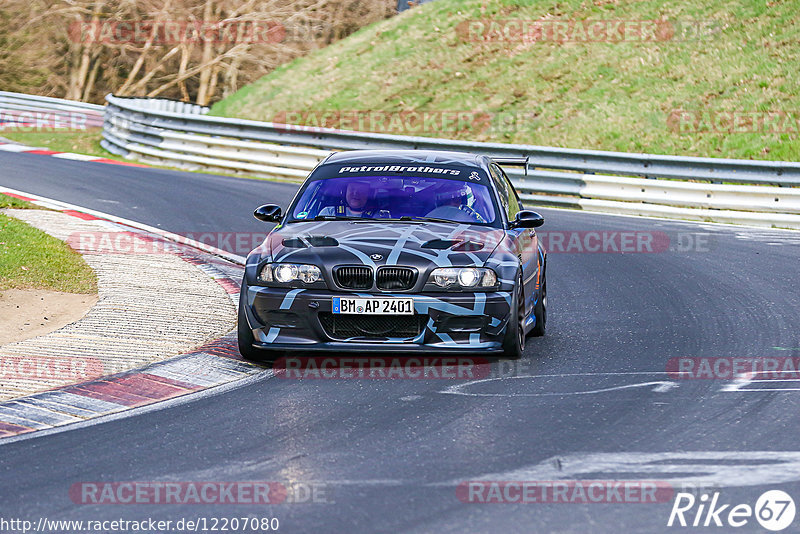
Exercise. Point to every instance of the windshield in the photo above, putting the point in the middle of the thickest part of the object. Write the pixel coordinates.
(393, 197)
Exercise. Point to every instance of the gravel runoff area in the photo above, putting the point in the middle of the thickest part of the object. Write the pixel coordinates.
(151, 305)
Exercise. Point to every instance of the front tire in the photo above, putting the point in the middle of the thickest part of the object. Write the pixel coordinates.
(514, 341)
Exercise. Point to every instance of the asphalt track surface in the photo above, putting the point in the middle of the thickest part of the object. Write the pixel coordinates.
(591, 400)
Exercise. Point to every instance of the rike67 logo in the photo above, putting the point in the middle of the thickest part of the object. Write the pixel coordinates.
(774, 510)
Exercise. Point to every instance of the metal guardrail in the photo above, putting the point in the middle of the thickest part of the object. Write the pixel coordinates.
(46, 102)
(166, 132)
(34, 111)
(761, 193)
(163, 104)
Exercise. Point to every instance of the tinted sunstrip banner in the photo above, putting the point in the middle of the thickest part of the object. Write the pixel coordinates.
(424, 169)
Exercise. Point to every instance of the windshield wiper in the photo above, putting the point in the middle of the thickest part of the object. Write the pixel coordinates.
(405, 218)
(334, 218)
(428, 219)
(395, 219)
(408, 218)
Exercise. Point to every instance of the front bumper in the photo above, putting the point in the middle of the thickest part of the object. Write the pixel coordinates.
(292, 319)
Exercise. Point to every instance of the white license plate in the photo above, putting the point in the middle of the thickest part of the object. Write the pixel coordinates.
(376, 306)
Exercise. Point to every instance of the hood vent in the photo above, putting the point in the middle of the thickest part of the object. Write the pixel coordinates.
(468, 246)
(310, 241)
(455, 245)
(322, 241)
(440, 244)
(294, 243)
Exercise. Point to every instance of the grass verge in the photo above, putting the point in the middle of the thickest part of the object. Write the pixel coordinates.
(83, 142)
(32, 259)
(618, 96)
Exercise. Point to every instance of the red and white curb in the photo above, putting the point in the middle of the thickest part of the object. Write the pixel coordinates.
(13, 147)
(214, 364)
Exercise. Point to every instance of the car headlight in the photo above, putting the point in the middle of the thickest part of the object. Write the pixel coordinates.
(287, 273)
(463, 278)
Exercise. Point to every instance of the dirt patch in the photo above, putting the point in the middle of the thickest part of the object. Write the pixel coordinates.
(34, 312)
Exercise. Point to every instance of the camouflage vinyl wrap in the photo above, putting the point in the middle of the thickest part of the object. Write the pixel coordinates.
(300, 316)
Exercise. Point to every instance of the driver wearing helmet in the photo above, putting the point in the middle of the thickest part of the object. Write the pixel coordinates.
(357, 196)
(456, 204)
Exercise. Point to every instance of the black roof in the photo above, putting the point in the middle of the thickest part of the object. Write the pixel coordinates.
(406, 156)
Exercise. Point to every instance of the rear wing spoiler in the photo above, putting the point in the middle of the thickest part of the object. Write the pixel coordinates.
(513, 162)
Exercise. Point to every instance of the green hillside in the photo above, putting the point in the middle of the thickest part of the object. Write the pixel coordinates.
(709, 58)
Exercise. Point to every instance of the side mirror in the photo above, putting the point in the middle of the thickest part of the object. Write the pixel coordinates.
(527, 219)
(270, 213)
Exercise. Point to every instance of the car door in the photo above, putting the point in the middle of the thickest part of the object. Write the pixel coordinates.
(525, 242)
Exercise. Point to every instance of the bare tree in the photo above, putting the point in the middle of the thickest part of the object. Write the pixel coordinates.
(193, 50)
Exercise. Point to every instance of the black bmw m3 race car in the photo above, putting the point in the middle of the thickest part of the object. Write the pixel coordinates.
(396, 251)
